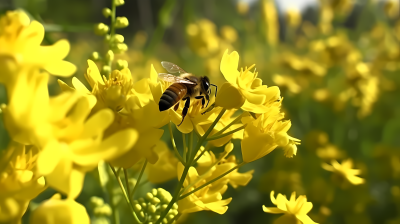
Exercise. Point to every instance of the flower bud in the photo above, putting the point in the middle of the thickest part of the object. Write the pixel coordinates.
(290, 150)
(101, 29)
(106, 12)
(154, 192)
(137, 208)
(141, 200)
(95, 56)
(151, 209)
(119, 2)
(120, 48)
(107, 38)
(121, 22)
(149, 196)
(106, 69)
(165, 220)
(121, 64)
(141, 214)
(118, 38)
(109, 56)
(175, 206)
(281, 139)
(155, 200)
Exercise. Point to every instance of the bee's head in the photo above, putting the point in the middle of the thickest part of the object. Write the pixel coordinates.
(205, 85)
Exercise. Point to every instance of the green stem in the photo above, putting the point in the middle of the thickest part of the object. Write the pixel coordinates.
(125, 195)
(226, 134)
(212, 181)
(184, 146)
(188, 164)
(201, 154)
(138, 180)
(239, 118)
(174, 145)
(127, 180)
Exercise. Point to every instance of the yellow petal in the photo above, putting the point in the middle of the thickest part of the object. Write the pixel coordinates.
(97, 123)
(255, 144)
(61, 68)
(48, 158)
(229, 97)
(79, 86)
(272, 210)
(93, 74)
(229, 66)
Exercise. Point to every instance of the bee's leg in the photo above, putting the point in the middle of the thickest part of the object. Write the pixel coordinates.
(176, 106)
(203, 101)
(185, 109)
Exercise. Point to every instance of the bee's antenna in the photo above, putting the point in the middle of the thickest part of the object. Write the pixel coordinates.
(216, 89)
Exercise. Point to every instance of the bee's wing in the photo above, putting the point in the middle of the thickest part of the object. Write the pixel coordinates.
(172, 68)
(174, 79)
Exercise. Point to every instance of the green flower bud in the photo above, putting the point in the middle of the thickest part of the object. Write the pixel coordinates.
(141, 200)
(106, 12)
(121, 22)
(135, 202)
(141, 214)
(175, 206)
(155, 200)
(170, 217)
(173, 212)
(95, 56)
(165, 220)
(104, 210)
(157, 217)
(144, 205)
(109, 56)
(149, 196)
(164, 196)
(151, 209)
(101, 29)
(118, 38)
(137, 208)
(107, 38)
(121, 64)
(96, 201)
(150, 223)
(119, 2)
(106, 69)
(163, 207)
(99, 220)
(154, 191)
(120, 48)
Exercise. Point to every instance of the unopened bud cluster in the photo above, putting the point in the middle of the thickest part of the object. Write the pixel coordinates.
(114, 41)
(101, 211)
(153, 204)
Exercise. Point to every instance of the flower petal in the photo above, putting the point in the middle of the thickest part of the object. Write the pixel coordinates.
(229, 66)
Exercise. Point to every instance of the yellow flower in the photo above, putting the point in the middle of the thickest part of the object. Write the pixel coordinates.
(20, 48)
(293, 17)
(287, 81)
(294, 210)
(77, 145)
(18, 181)
(244, 86)
(264, 134)
(57, 211)
(343, 173)
(204, 199)
(203, 38)
(165, 168)
(209, 163)
(26, 115)
(271, 21)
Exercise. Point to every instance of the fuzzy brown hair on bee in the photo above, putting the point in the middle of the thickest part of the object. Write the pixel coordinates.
(185, 87)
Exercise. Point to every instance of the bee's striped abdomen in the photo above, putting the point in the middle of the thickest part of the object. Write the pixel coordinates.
(172, 95)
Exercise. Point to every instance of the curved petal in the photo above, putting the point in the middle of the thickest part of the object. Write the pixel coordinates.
(305, 219)
(229, 97)
(61, 68)
(229, 65)
(272, 210)
(97, 123)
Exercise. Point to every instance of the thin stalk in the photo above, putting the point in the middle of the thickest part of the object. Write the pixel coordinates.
(229, 125)
(184, 146)
(125, 195)
(201, 154)
(127, 180)
(138, 180)
(174, 145)
(211, 181)
(188, 164)
(226, 134)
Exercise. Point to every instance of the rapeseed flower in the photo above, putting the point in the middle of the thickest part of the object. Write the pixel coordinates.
(58, 211)
(165, 168)
(294, 210)
(244, 90)
(19, 182)
(343, 174)
(20, 49)
(77, 144)
(265, 133)
(204, 199)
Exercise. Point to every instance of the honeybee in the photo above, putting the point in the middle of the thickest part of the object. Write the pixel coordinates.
(185, 87)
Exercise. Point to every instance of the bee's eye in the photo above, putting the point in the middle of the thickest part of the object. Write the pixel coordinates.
(206, 85)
